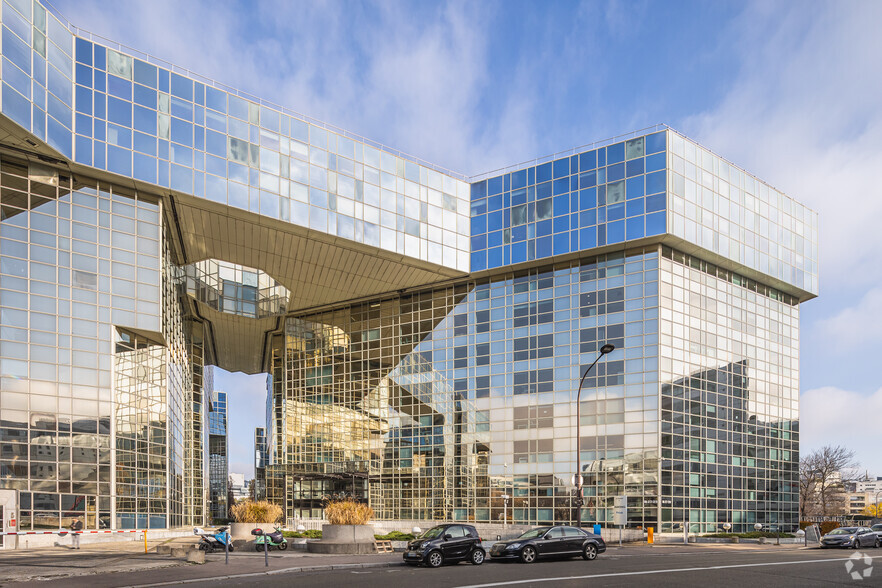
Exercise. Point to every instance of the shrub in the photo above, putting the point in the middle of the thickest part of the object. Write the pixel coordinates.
(394, 536)
(256, 512)
(348, 512)
(828, 526)
(309, 534)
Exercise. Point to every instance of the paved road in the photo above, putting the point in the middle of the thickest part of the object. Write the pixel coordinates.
(745, 566)
(675, 567)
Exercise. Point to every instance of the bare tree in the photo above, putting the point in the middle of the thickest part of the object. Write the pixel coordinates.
(822, 477)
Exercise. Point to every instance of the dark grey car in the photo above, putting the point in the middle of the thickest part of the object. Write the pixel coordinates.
(853, 537)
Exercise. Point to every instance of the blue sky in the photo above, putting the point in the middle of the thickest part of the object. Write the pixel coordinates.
(788, 90)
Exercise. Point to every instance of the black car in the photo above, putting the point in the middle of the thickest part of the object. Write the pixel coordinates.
(446, 544)
(853, 537)
(557, 541)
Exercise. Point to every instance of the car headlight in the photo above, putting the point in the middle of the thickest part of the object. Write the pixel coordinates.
(514, 545)
(851, 537)
(425, 546)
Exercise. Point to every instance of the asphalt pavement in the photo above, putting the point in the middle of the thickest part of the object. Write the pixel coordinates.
(658, 565)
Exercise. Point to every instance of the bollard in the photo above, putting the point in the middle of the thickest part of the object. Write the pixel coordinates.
(265, 551)
(227, 548)
(649, 535)
(145, 540)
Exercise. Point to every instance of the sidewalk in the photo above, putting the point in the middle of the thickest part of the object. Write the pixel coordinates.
(125, 565)
(122, 565)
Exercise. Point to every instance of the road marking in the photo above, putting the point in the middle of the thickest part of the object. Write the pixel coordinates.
(649, 572)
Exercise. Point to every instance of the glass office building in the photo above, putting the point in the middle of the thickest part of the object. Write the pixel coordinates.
(423, 331)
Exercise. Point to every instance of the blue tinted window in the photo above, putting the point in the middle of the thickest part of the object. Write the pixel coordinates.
(145, 73)
(601, 157)
(655, 162)
(634, 187)
(543, 190)
(84, 51)
(145, 96)
(181, 132)
(655, 202)
(494, 257)
(84, 150)
(561, 186)
(494, 202)
(145, 168)
(181, 87)
(84, 125)
(531, 176)
(119, 87)
(146, 144)
(199, 98)
(100, 58)
(16, 107)
(163, 87)
(561, 243)
(561, 223)
(84, 75)
(635, 167)
(615, 211)
(479, 242)
(545, 227)
(479, 207)
(615, 172)
(507, 179)
(635, 207)
(145, 120)
(479, 224)
(84, 100)
(520, 197)
(543, 173)
(544, 247)
(615, 153)
(655, 142)
(518, 233)
(655, 182)
(615, 232)
(588, 237)
(119, 160)
(561, 205)
(217, 100)
(494, 221)
(518, 252)
(655, 224)
(99, 81)
(587, 179)
(518, 179)
(561, 168)
(635, 227)
(479, 260)
(588, 218)
(588, 160)
(494, 239)
(494, 186)
(119, 111)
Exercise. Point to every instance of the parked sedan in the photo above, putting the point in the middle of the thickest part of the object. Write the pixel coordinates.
(556, 541)
(445, 544)
(853, 537)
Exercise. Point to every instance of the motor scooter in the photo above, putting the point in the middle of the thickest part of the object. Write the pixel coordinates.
(271, 539)
(209, 542)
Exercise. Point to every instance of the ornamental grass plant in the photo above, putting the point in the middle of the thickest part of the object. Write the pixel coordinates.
(256, 512)
(348, 512)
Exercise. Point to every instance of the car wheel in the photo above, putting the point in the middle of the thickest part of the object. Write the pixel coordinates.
(589, 552)
(876, 543)
(528, 554)
(477, 557)
(435, 559)
(855, 544)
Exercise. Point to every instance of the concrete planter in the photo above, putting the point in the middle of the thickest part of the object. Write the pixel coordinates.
(344, 539)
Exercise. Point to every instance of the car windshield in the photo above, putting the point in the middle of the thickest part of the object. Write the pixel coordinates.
(534, 533)
(432, 533)
(843, 531)
(876, 527)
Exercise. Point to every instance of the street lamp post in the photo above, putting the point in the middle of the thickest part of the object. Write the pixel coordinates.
(505, 498)
(608, 348)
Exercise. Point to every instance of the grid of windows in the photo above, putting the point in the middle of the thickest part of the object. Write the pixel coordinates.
(138, 118)
(603, 196)
(440, 402)
(729, 367)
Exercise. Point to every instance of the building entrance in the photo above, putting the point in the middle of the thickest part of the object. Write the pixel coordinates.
(8, 518)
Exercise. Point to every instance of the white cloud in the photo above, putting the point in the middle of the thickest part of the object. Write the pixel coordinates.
(832, 416)
(802, 113)
(854, 326)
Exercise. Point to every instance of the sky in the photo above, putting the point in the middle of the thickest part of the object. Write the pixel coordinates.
(786, 90)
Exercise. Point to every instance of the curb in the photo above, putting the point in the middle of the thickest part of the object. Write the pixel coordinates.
(273, 572)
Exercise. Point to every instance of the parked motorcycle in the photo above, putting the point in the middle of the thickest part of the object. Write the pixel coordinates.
(209, 542)
(271, 539)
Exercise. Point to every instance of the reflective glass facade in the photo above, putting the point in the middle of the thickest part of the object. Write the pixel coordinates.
(423, 333)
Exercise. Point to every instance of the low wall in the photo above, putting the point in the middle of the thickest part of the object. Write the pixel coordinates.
(30, 541)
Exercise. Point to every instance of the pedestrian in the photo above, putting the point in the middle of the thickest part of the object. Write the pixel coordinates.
(76, 528)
